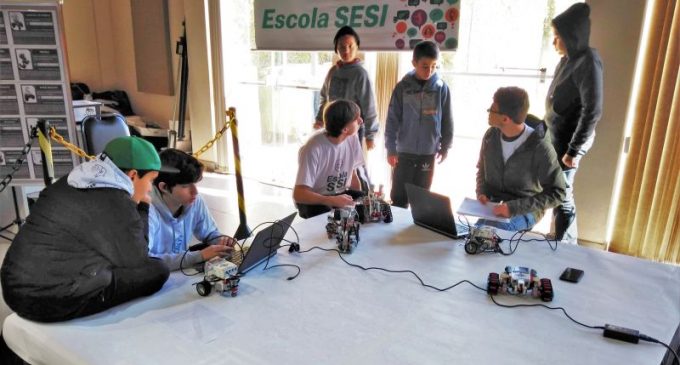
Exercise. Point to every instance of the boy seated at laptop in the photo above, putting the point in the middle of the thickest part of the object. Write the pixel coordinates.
(179, 213)
(327, 162)
(517, 167)
(83, 248)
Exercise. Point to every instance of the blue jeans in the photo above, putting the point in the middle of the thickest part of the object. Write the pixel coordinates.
(565, 214)
(517, 223)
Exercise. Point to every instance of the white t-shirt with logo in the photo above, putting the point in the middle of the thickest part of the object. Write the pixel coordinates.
(326, 167)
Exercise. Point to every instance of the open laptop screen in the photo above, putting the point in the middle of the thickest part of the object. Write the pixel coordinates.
(266, 243)
(432, 210)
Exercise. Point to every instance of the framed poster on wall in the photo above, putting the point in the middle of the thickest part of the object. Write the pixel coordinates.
(34, 86)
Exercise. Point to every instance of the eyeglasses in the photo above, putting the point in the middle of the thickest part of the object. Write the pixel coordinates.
(494, 111)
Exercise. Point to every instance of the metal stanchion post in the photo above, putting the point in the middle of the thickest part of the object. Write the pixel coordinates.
(243, 231)
(46, 151)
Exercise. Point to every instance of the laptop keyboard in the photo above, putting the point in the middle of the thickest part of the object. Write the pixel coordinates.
(238, 254)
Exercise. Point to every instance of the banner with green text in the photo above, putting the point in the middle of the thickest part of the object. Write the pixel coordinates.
(387, 25)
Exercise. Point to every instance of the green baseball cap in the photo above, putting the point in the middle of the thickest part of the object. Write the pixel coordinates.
(135, 153)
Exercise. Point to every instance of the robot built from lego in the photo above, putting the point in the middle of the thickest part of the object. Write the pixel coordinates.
(221, 275)
(343, 224)
(482, 239)
(373, 208)
(517, 280)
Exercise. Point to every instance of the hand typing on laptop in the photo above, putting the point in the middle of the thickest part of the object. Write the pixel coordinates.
(219, 246)
(223, 241)
(215, 250)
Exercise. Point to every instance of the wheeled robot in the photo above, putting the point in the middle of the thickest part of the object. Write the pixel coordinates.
(482, 239)
(373, 208)
(517, 280)
(343, 224)
(221, 275)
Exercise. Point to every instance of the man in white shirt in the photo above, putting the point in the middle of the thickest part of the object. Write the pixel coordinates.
(327, 162)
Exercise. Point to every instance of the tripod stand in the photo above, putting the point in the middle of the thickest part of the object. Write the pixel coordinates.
(17, 218)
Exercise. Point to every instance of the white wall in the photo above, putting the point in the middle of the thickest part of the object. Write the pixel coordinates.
(100, 50)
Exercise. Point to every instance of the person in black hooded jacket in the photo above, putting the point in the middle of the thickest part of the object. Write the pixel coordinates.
(84, 248)
(573, 105)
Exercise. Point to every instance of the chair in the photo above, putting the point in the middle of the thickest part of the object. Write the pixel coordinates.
(97, 132)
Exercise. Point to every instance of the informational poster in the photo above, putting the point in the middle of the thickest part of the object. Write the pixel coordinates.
(387, 25)
(37, 64)
(6, 72)
(34, 86)
(3, 32)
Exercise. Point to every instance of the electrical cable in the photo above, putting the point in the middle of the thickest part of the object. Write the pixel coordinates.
(516, 240)
(392, 271)
(544, 306)
(420, 280)
(273, 247)
(204, 242)
(493, 299)
(646, 338)
(7, 238)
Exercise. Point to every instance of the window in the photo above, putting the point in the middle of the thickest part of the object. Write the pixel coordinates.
(501, 43)
(275, 94)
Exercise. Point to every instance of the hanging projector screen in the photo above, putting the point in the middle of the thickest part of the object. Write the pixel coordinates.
(389, 25)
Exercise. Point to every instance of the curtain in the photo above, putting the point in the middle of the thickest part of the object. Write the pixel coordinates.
(386, 79)
(647, 222)
(386, 75)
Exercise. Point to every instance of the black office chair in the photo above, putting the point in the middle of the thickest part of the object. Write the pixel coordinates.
(98, 132)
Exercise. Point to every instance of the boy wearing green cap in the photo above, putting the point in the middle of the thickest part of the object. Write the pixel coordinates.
(83, 248)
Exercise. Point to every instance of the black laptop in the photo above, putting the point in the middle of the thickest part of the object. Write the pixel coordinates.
(433, 211)
(265, 244)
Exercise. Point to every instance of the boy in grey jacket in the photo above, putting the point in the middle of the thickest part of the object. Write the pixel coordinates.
(419, 125)
(517, 166)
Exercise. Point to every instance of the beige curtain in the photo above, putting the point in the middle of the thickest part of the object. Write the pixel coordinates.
(648, 214)
(386, 79)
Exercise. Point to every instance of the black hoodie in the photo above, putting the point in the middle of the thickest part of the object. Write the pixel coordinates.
(574, 100)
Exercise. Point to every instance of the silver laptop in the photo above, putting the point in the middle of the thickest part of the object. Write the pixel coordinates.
(433, 211)
(264, 245)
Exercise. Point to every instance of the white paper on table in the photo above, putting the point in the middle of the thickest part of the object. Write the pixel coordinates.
(475, 208)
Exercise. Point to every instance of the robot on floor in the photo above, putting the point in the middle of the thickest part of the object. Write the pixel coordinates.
(221, 275)
(482, 239)
(343, 224)
(517, 280)
(373, 208)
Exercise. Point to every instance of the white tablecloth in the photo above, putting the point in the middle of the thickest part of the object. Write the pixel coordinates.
(335, 314)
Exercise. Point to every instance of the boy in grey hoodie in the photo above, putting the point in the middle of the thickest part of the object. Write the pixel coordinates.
(348, 79)
(419, 124)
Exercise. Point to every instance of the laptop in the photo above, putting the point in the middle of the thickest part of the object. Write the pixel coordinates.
(433, 211)
(264, 246)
